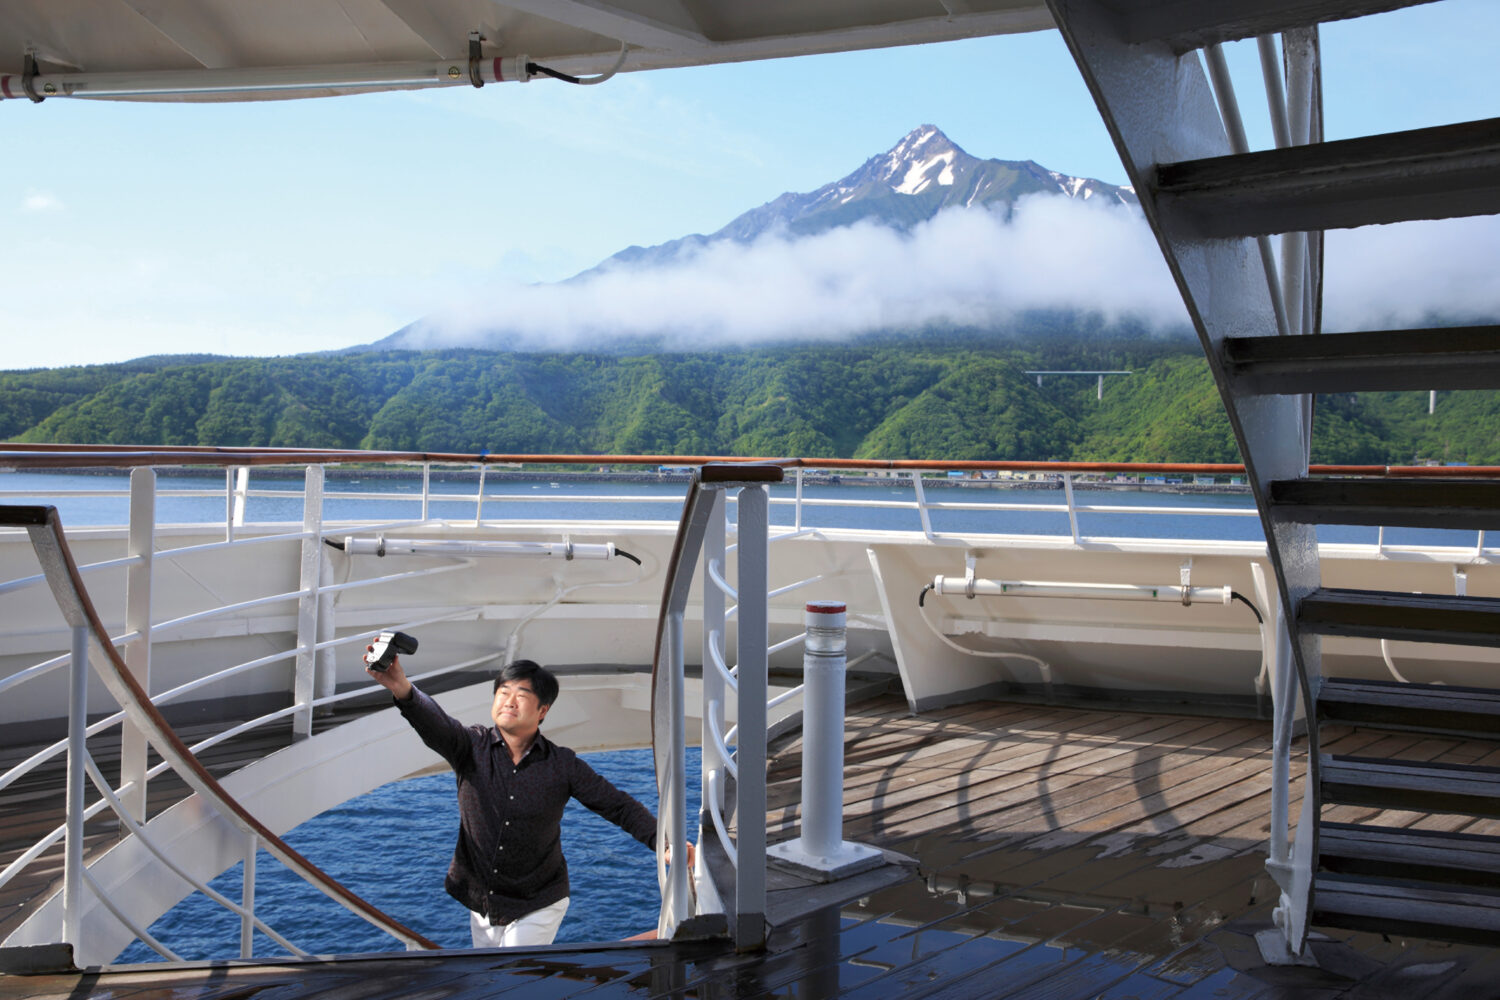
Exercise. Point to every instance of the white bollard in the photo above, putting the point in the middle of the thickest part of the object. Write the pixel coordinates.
(821, 850)
(823, 729)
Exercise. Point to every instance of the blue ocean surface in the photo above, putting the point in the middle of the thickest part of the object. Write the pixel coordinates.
(95, 499)
(392, 847)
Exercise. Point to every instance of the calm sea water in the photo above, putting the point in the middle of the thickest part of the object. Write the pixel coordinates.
(1194, 516)
(393, 845)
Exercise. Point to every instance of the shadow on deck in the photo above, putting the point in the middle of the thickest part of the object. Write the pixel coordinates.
(1057, 853)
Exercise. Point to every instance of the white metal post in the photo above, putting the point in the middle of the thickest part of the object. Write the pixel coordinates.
(750, 753)
(141, 545)
(229, 504)
(821, 850)
(78, 708)
(922, 513)
(303, 682)
(241, 494)
(479, 501)
(671, 823)
(675, 796)
(325, 681)
(1072, 509)
(797, 522)
(713, 643)
(247, 897)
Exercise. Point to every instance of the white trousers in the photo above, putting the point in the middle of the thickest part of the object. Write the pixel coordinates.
(536, 927)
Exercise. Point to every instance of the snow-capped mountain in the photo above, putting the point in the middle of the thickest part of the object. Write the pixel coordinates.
(920, 176)
(925, 173)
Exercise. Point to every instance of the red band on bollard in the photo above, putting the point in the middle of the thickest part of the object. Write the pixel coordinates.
(826, 607)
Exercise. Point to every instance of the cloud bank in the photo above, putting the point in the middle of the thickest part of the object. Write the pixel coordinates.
(963, 267)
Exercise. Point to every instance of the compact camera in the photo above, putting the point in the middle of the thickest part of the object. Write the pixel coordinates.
(387, 646)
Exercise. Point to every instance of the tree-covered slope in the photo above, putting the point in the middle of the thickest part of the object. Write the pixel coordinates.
(932, 399)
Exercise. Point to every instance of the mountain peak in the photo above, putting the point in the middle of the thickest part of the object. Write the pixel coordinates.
(923, 158)
(911, 182)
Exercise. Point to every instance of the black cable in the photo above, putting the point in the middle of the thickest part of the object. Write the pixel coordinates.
(334, 544)
(534, 68)
(1241, 597)
(627, 555)
(922, 597)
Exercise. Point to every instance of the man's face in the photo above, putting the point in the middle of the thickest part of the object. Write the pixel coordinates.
(517, 711)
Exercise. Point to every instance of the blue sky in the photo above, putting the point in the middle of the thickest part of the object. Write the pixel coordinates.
(281, 227)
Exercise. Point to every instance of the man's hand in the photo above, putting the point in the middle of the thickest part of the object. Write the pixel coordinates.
(692, 854)
(393, 679)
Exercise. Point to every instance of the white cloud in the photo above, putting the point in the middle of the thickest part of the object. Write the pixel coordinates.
(1395, 276)
(40, 201)
(962, 267)
(968, 268)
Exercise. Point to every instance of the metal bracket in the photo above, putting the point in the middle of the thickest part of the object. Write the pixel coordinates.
(1185, 572)
(970, 559)
(28, 78)
(474, 58)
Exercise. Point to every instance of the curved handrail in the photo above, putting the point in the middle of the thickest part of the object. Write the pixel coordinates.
(51, 545)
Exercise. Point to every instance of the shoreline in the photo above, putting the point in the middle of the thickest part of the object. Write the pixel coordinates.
(346, 474)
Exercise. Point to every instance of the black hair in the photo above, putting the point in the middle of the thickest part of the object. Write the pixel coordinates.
(539, 677)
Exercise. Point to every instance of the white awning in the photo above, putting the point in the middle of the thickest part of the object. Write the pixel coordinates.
(234, 50)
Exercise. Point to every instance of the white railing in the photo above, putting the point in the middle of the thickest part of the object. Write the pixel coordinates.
(313, 690)
(90, 641)
(1072, 503)
(315, 640)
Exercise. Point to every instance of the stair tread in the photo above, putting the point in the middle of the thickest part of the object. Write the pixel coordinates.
(1418, 503)
(1441, 707)
(1429, 855)
(1466, 357)
(1430, 173)
(1379, 614)
(1443, 912)
(1405, 784)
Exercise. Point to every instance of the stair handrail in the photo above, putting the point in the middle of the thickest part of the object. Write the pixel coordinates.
(668, 700)
(50, 543)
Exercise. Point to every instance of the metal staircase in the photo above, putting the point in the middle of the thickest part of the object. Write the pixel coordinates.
(1160, 80)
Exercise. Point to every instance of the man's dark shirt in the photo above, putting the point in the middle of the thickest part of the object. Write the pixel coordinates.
(509, 859)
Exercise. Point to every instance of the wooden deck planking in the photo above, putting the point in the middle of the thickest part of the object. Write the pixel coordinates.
(1003, 754)
(1103, 772)
(1062, 854)
(1081, 823)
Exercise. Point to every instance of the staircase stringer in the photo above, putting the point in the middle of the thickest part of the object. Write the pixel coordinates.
(1159, 108)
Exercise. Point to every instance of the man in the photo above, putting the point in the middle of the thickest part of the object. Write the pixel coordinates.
(508, 868)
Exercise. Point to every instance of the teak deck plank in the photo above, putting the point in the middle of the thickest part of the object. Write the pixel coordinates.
(1060, 853)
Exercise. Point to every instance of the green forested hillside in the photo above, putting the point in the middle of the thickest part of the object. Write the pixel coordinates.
(866, 400)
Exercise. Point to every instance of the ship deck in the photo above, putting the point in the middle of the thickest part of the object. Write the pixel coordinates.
(1049, 852)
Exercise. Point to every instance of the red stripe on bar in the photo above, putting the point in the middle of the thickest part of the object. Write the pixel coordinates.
(5, 86)
(498, 77)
